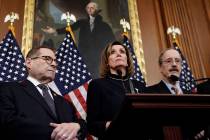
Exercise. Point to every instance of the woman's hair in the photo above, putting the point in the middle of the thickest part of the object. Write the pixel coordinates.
(104, 66)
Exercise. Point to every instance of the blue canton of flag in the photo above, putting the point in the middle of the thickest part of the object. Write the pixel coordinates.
(137, 71)
(72, 76)
(12, 62)
(187, 81)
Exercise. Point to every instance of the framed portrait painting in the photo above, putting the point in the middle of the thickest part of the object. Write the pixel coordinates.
(44, 14)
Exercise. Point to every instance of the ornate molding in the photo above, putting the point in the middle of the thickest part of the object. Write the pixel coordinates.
(136, 35)
(28, 26)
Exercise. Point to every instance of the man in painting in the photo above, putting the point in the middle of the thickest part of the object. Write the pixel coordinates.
(94, 35)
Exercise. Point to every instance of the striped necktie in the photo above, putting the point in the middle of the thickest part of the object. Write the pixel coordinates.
(176, 90)
(47, 97)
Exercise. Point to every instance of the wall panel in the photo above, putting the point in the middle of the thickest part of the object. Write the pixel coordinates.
(6, 7)
(192, 17)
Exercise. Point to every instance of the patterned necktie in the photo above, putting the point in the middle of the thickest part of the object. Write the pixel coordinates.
(47, 97)
(176, 90)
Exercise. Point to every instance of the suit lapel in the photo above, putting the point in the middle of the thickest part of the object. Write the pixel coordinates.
(63, 109)
(32, 91)
(58, 104)
(60, 107)
(163, 88)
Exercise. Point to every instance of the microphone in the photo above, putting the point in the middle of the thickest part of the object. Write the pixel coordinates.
(173, 78)
(119, 72)
(202, 79)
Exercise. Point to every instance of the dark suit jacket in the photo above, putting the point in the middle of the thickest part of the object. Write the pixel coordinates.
(204, 87)
(24, 114)
(160, 88)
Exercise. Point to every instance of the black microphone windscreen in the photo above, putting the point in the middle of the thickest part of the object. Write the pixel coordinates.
(173, 78)
(119, 72)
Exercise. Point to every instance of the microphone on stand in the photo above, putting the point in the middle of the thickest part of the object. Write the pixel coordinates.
(173, 78)
(119, 72)
(202, 79)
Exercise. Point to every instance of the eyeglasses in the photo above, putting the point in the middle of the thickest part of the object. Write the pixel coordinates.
(48, 59)
(171, 61)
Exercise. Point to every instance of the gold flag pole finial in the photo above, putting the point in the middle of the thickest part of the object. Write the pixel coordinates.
(11, 18)
(125, 26)
(174, 31)
(70, 18)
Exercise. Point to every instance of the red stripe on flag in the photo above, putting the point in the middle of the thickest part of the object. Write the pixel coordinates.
(80, 98)
(86, 86)
(68, 98)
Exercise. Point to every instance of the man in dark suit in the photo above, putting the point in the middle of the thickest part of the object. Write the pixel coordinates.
(170, 63)
(204, 87)
(29, 110)
(94, 35)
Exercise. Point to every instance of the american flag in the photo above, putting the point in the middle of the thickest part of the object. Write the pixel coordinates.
(12, 62)
(187, 81)
(137, 71)
(72, 76)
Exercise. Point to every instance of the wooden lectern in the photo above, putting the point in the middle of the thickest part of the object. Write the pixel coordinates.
(143, 116)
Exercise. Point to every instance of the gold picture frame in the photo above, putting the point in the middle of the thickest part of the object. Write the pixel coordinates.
(28, 24)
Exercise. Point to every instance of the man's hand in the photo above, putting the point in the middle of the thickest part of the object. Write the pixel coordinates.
(65, 131)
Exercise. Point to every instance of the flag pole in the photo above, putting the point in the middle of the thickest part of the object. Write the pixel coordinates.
(11, 18)
(125, 26)
(69, 18)
(187, 81)
(137, 72)
(174, 31)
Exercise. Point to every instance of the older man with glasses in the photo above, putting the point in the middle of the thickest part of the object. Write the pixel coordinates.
(170, 64)
(30, 110)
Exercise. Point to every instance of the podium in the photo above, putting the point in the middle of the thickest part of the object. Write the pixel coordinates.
(144, 115)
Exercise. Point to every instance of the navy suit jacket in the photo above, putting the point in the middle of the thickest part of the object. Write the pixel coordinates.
(160, 88)
(204, 88)
(25, 115)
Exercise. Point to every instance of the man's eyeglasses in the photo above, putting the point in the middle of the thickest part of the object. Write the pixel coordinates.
(171, 61)
(48, 59)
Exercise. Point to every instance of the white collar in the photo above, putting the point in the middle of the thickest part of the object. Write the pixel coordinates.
(169, 85)
(33, 80)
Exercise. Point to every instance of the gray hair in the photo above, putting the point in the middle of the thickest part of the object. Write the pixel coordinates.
(94, 3)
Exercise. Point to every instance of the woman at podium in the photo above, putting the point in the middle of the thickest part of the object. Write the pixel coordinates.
(106, 94)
